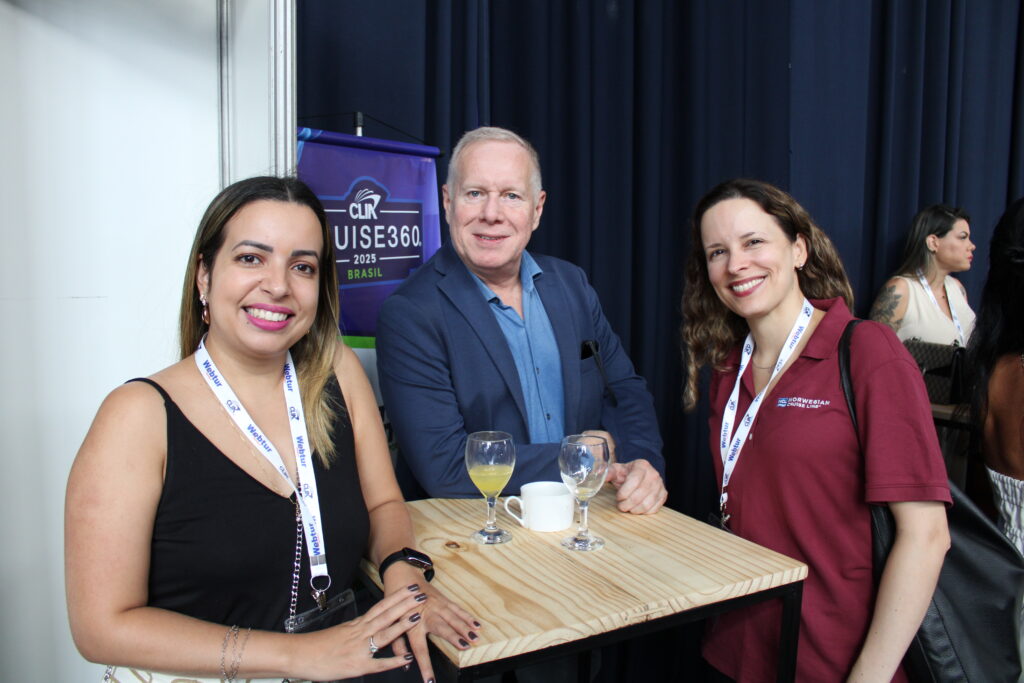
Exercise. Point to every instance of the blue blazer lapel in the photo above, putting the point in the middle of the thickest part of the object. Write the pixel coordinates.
(562, 314)
(464, 294)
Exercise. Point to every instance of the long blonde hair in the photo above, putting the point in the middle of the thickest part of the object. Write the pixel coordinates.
(314, 353)
(709, 329)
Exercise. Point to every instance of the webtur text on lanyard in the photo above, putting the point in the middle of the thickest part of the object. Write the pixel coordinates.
(308, 499)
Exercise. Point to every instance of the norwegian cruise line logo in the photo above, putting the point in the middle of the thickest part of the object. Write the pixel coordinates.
(800, 402)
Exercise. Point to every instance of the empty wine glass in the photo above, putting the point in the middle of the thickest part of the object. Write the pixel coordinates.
(490, 457)
(583, 462)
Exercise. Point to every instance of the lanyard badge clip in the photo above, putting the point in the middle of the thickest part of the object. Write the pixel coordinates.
(320, 594)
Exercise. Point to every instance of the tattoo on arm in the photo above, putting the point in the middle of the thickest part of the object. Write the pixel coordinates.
(884, 307)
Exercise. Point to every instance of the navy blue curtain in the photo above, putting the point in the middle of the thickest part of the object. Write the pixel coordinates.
(865, 111)
(897, 105)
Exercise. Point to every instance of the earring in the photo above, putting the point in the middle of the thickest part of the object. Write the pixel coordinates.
(800, 267)
(206, 310)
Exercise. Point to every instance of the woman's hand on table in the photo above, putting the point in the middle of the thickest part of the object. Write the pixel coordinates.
(441, 616)
(344, 651)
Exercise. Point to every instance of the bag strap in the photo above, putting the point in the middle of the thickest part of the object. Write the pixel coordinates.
(883, 526)
(844, 372)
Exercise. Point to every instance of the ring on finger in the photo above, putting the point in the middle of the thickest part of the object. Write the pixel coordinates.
(373, 647)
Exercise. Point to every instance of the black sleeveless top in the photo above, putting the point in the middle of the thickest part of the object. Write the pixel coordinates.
(224, 545)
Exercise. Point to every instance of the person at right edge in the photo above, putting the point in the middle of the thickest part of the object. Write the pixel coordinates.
(765, 303)
(995, 361)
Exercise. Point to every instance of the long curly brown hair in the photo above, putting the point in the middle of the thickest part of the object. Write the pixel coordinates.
(710, 330)
(314, 353)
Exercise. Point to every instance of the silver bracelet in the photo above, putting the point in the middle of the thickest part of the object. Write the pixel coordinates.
(232, 632)
(236, 661)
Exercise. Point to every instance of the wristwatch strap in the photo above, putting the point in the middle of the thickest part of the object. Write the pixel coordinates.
(413, 557)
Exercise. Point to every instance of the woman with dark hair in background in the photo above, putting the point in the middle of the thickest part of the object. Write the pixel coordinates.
(792, 472)
(996, 363)
(202, 504)
(922, 301)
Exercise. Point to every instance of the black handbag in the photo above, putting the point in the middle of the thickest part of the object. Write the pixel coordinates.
(970, 630)
(942, 366)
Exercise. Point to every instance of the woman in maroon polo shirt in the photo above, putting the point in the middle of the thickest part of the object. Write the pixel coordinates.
(765, 288)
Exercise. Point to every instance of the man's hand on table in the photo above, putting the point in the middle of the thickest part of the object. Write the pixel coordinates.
(640, 488)
(441, 616)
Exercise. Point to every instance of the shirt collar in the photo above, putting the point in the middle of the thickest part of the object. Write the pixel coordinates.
(824, 340)
(528, 272)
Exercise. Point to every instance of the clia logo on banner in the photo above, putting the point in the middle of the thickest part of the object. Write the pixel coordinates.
(375, 238)
(378, 242)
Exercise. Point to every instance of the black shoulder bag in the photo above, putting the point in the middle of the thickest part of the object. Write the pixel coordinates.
(970, 631)
(943, 367)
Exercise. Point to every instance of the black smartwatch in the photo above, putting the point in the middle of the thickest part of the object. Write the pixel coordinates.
(413, 557)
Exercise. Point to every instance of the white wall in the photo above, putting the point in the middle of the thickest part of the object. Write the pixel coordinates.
(259, 89)
(108, 156)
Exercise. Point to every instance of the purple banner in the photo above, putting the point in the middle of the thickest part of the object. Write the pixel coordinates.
(381, 203)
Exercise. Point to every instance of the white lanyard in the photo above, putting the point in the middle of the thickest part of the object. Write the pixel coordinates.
(731, 448)
(308, 500)
(935, 302)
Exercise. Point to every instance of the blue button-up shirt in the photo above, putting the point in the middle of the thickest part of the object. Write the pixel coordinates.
(535, 351)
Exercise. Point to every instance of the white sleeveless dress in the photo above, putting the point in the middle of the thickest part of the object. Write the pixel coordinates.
(926, 322)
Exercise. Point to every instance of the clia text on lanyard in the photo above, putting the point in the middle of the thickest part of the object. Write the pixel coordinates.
(308, 499)
(732, 443)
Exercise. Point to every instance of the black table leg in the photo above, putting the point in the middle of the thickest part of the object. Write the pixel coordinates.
(583, 667)
(790, 634)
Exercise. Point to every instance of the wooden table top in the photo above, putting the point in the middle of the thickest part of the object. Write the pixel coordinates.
(532, 593)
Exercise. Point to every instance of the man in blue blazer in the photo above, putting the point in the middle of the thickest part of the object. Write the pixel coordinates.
(486, 336)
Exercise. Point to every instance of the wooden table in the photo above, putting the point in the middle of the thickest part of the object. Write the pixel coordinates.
(654, 572)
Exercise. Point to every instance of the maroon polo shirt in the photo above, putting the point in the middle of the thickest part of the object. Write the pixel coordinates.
(802, 486)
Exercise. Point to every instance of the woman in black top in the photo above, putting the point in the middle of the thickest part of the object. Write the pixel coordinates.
(187, 545)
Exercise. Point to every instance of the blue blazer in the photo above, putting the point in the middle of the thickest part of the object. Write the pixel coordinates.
(446, 371)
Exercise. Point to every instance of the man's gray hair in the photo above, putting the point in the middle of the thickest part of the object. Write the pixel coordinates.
(493, 134)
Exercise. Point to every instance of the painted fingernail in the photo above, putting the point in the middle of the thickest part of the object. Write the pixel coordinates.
(406, 667)
(415, 617)
(414, 587)
(477, 624)
(430, 680)
(421, 597)
(463, 643)
(408, 656)
(473, 636)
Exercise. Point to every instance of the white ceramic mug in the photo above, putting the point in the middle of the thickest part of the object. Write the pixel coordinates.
(545, 506)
